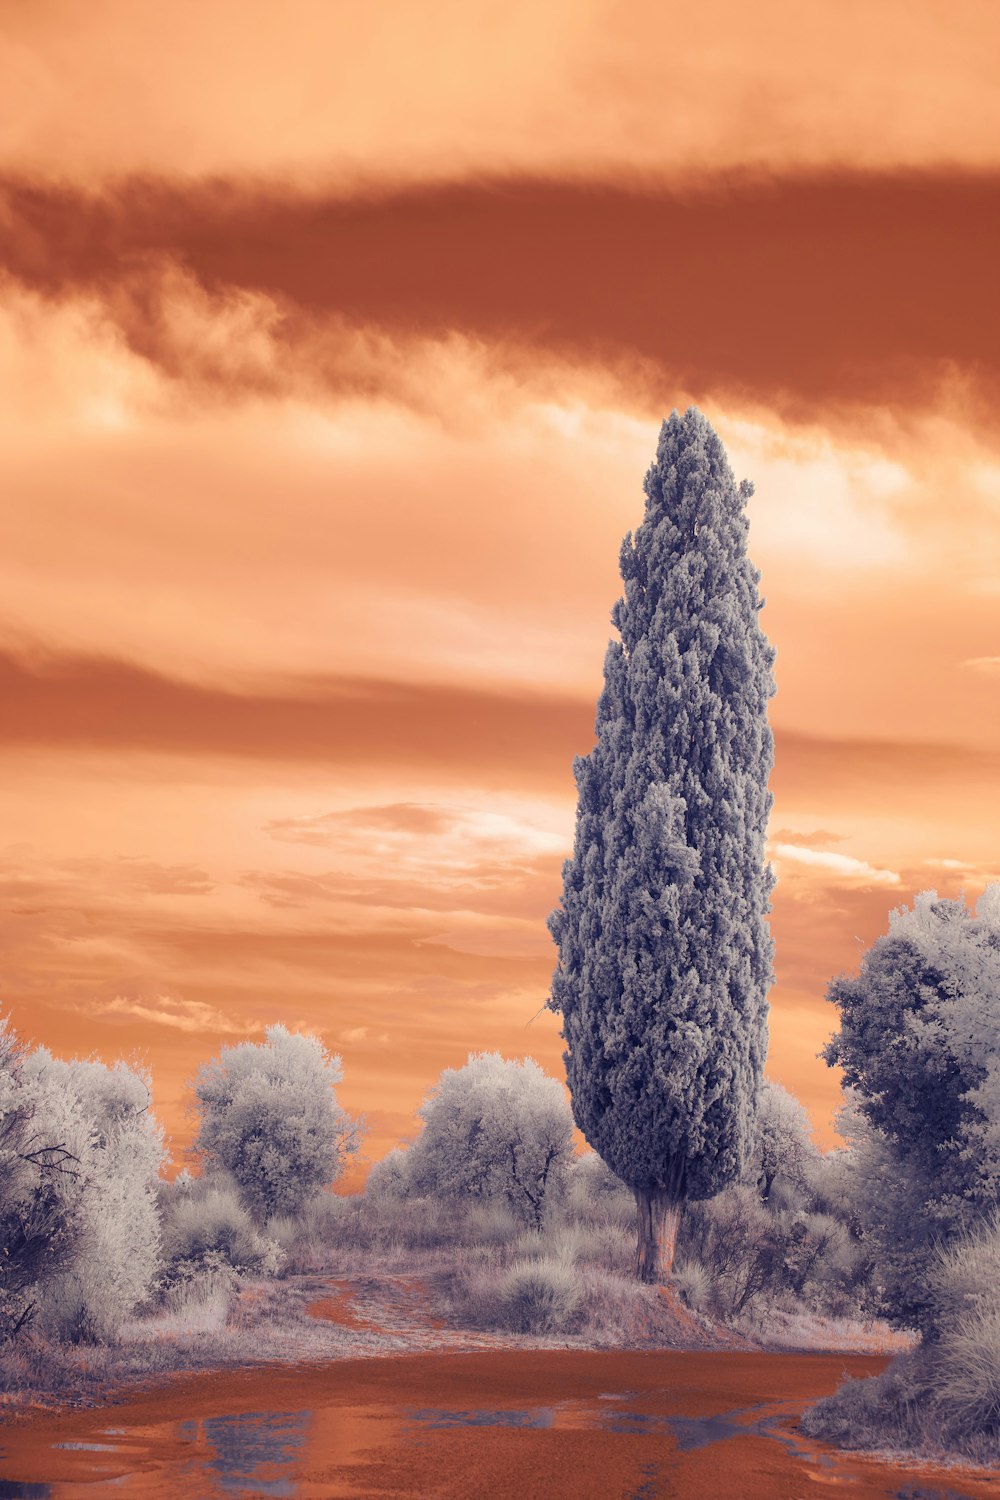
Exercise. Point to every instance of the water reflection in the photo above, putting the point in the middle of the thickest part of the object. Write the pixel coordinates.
(250, 1453)
(14, 1489)
(923, 1492)
(688, 1432)
(436, 1418)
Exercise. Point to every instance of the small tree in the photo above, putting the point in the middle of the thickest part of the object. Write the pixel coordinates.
(494, 1128)
(918, 1047)
(269, 1116)
(785, 1151)
(35, 1239)
(110, 1146)
(664, 952)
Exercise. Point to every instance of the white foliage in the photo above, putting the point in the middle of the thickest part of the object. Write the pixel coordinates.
(664, 950)
(99, 1117)
(785, 1148)
(269, 1116)
(495, 1128)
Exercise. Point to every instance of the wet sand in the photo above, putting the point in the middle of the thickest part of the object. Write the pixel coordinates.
(537, 1423)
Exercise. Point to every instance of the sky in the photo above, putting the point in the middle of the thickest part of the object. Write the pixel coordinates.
(334, 343)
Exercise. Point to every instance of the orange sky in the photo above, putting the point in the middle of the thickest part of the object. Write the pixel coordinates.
(334, 340)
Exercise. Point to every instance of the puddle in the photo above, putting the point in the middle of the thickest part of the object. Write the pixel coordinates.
(689, 1433)
(437, 1419)
(13, 1489)
(928, 1492)
(247, 1452)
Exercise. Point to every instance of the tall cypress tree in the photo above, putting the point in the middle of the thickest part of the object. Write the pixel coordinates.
(664, 951)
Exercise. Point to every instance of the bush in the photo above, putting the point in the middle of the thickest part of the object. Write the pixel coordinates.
(946, 1394)
(269, 1117)
(539, 1296)
(735, 1238)
(389, 1177)
(494, 1129)
(106, 1188)
(694, 1285)
(35, 1229)
(529, 1296)
(967, 1374)
(205, 1226)
(306, 1238)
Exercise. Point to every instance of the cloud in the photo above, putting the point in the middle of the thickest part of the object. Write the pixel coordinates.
(102, 703)
(817, 838)
(835, 866)
(989, 665)
(455, 87)
(327, 828)
(796, 291)
(152, 877)
(353, 1034)
(182, 1015)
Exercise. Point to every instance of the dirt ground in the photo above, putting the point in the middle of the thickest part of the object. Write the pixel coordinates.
(591, 1425)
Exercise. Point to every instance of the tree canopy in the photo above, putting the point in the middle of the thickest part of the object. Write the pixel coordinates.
(664, 950)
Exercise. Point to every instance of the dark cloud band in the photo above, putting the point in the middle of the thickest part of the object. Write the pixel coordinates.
(802, 292)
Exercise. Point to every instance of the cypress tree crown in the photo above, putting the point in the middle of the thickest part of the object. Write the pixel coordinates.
(664, 949)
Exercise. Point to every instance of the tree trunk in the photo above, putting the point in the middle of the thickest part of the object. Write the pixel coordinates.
(658, 1218)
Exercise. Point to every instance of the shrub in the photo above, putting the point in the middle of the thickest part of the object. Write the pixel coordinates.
(205, 1226)
(100, 1116)
(306, 1239)
(694, 1285)
(735, 1238)
(967, 1373)
(494, 1129)
(534, 1296)
(946, 1394)
(35, 1228)
(389, 1177)
(269, 1117)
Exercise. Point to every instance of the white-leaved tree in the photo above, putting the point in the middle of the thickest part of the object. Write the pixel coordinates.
(919, 1052)
(110, 1148)
(664, 951)
(495, 1129)
(35, 1239)
(268, 1115)
(785, 1151)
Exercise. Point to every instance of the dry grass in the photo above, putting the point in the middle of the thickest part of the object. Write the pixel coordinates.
(200, 1328)
(943, 1397)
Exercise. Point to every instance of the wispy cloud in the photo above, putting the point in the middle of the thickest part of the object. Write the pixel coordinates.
(839, 866)
(182, 1015)
(817, 838)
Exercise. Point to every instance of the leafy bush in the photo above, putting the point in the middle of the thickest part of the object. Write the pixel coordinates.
(270, 1118)
(35, 1229)
(106, 1190)
(539, 1296)
(206, 1227)
(495, 1129)
(946, 1394)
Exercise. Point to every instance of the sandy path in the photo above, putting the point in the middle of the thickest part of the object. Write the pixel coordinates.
(472, 1426)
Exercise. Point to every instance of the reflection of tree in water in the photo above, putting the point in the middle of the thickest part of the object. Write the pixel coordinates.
(250, 1441)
